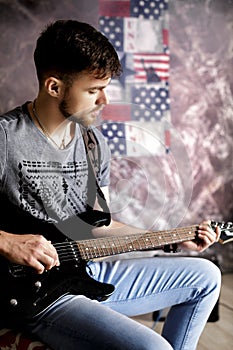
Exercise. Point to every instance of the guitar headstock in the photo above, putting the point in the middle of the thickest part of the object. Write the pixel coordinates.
(226, 231)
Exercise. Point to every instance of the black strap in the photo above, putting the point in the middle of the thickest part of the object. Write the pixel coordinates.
(93, 160)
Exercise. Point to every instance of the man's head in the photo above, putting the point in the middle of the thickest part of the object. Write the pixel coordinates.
(68, 47)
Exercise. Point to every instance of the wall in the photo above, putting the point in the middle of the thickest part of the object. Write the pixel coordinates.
(21, 21)
(201, 99)
(201, 40)
(201, 85)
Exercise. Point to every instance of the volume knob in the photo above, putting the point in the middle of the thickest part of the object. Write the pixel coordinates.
(38, 284)
(13, 302)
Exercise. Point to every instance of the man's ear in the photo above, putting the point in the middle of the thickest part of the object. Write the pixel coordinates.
(54, 86)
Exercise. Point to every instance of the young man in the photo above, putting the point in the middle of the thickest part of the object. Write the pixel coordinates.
(44, 179)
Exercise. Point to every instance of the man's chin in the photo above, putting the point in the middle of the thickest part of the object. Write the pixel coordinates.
(88, 119)
(86, 122)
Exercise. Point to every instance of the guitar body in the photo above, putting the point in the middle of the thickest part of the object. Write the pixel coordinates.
(26, 293)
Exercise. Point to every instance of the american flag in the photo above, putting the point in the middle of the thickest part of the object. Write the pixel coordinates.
(134, 129)
(147, 104)
(151, 9)
(137, 122)
(153, 102)
(134, 35)
(151, 67)
(134, 139)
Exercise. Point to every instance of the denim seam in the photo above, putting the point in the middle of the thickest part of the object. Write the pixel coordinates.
(151, 294)
(185, 340)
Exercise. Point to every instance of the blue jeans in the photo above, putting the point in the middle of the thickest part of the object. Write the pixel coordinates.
(188, 286)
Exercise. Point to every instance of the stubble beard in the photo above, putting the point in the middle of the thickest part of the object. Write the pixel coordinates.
(85, 118)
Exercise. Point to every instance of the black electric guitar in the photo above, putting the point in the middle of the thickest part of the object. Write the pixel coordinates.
(24, 293)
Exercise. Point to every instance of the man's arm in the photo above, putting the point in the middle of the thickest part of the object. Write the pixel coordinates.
(31, 250)
(115, 227)
(39, 253)
(205, 235)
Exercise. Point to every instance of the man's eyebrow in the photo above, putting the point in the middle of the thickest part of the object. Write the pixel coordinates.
(98, 87)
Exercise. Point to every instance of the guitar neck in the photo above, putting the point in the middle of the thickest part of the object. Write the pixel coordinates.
(107, 246)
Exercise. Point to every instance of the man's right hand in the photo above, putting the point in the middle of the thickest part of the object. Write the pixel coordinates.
(30, 250)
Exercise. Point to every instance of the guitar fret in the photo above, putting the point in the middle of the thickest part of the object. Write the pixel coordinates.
(108, 246)
(111, 246)
(118, 245)
(100, 247)
(41, 293)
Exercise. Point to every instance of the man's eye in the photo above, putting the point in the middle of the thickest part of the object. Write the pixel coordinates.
(92, 92)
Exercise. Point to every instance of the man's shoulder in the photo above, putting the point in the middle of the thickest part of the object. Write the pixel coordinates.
(12, 116)
(14, 113)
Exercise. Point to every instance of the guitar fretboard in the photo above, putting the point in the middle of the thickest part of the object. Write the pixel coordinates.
(107, 246)
(73, 251)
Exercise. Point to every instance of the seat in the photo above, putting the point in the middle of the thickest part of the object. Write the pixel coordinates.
(13, 340)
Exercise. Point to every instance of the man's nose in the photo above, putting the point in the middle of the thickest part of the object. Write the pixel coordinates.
(102, 98)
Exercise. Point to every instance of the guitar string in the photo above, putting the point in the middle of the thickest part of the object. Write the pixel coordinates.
(80, 250)
(124, 239)
(134, 238)
(73, 245)
(163, 234)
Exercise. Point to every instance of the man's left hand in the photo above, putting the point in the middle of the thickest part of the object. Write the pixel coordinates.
(206, 236)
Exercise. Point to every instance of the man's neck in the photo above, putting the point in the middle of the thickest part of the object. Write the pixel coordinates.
(48, 118)
(47, 110)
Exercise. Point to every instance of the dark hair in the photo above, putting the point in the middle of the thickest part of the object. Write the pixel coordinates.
(68, 47)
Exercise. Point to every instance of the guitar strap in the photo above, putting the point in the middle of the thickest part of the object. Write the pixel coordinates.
(93, 159)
